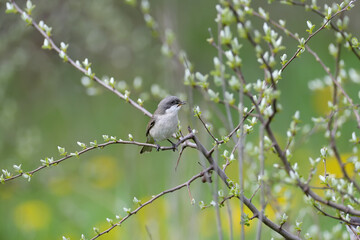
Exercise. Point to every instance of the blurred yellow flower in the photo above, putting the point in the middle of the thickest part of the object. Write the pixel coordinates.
(154, 215)
(207, 218)
(32, 215)
(333, 168)
(320, 100)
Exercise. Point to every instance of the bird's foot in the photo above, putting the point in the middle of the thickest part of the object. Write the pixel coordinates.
(174, 146)
(157, 147)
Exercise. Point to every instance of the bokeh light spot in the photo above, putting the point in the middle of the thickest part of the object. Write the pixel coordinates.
(103, 171)
(320, 100)
(32, 215)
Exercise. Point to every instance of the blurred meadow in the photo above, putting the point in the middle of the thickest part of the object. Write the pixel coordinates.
(43, 104)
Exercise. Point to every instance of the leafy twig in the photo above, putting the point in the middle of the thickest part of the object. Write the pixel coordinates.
(80, 68)
(152, 200)
(87, 149)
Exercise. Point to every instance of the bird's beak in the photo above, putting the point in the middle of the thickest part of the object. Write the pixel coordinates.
(182, 103)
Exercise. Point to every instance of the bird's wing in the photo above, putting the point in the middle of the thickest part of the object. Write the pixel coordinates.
(150, 125)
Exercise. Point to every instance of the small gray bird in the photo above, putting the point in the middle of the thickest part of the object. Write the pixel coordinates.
(163, 123)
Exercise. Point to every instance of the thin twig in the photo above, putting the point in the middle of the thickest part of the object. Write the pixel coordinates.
(317, 58)
(338, 85)
(148, 232)
(222, 77)
(316, 32)
(241, 155)
(261, 175)
(152, 200)
(254, 193)
(333, 26)
(228, 208)
(81, 69)
(241, 122)
(207, 129)
(180, 154)
(216, 199)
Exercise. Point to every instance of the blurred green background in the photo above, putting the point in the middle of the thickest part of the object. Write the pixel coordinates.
(44, 105)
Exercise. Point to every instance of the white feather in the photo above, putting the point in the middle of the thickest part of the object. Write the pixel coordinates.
(165, 124)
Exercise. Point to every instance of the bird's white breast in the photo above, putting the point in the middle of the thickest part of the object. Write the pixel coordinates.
(165, 124)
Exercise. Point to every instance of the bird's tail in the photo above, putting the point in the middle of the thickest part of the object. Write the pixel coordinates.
(147, 148)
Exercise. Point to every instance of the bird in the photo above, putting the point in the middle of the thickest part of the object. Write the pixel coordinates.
(163, 123)
(352, 228)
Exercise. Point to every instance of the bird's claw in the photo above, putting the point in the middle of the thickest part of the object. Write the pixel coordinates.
(174, 146)
(157, 147)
